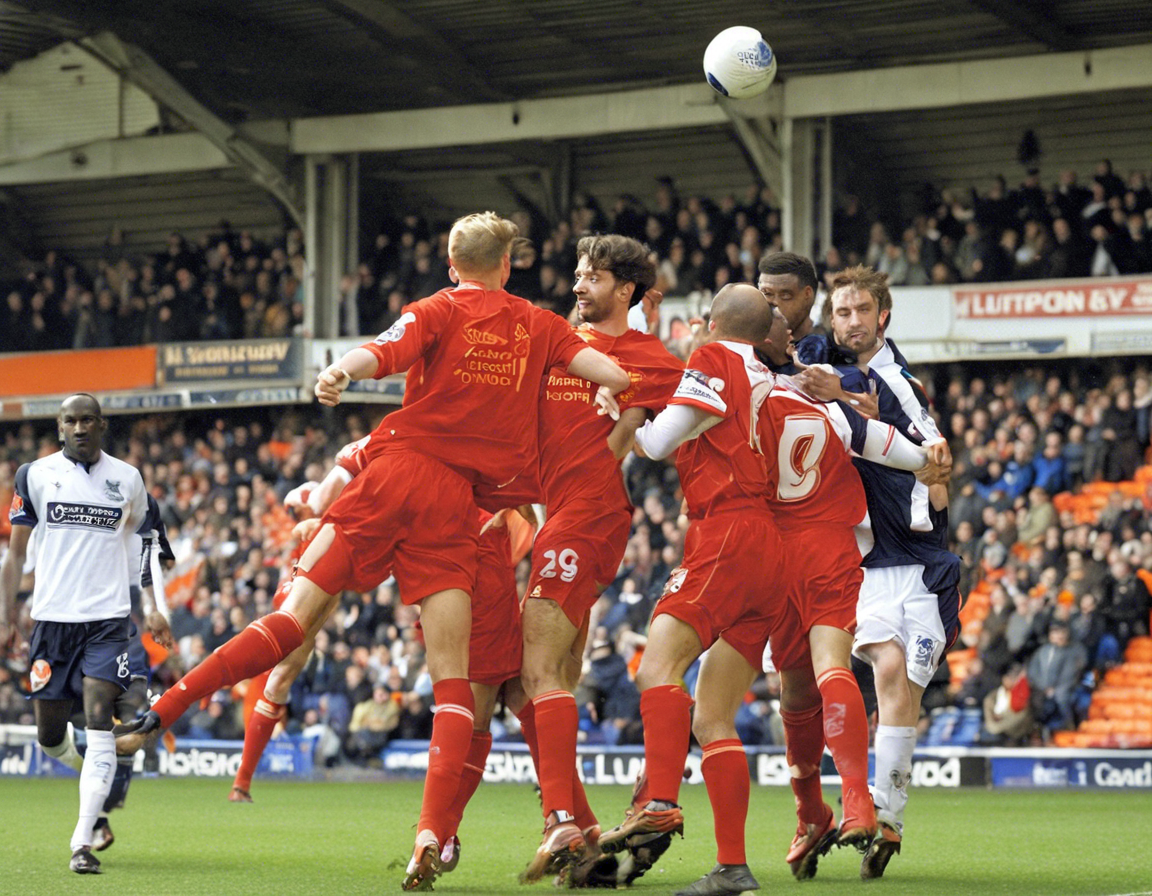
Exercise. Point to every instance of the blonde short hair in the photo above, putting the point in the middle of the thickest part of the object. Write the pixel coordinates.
(479, 242)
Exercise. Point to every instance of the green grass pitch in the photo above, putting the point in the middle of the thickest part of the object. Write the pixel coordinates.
(180, 837)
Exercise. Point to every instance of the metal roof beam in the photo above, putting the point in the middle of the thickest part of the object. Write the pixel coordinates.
(1029, 19)
(657, 108)
(390, 27)
(966, 83)
(139, 68)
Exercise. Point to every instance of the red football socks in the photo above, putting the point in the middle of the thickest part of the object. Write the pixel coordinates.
(265, 717)
(260, 646)
(804, 736)
(470, 778)
(725, 769)
(447, 751)
(557, 720)
(527, 717)
(666, 711)
(845, 725)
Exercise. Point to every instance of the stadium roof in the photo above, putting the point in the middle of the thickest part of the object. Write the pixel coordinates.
(275, 59)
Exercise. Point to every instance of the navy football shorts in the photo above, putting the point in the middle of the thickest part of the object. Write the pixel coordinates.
(63, 654)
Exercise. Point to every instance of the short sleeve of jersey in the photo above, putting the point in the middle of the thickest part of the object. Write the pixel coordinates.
(662, 372)
(353, 457)
(406, 341)
(22, 512)
(703, 381)
(151, 519)
(563, 343)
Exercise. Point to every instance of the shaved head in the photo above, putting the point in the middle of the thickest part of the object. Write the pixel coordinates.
(81, 402)
(82, 427)
(741, 312)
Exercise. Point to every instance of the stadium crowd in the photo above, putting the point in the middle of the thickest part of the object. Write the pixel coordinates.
(231, 285)
(1062, 590)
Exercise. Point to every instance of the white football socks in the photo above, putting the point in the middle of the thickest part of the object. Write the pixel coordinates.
(66, 751)
(95, 783)
(894, 746)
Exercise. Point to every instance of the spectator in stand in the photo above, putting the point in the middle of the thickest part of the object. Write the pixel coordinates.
(1007, 710)
(1054, 674)
(1125, 601)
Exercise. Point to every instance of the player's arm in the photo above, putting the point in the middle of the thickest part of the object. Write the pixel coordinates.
(329, 489)
(673, 426)
(154, 552)
(357, 364)
(695, 407)
(12, 569)
(394, 350)
(596, 366)
(878, 442)
(623, 434)
(821, 382)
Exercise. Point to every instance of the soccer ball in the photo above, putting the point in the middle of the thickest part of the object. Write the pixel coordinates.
(739, 63)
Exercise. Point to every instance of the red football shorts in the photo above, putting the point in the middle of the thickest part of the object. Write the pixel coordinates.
(730, 574)
(822, 574)
(577, 555)
(497, 645)
(406, 515)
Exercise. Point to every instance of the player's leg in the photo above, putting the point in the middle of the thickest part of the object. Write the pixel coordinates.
(484, 698)
(446, 619)
(903, 668)
(128, 705)
(258, 647)
(99, 764)
(53, 732)
(266, 715)
(548, 639)
(725, 677)
(802, 709)
(845, 730)
(665, 708)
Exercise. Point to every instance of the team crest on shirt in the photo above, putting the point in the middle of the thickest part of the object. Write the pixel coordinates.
(39, 675)
(17, 507)
(536, 592)
(112, 490)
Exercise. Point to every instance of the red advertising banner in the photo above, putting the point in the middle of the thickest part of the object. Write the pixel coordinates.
(1054, 298)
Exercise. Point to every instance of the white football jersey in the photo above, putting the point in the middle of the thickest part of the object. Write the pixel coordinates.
(86, 519)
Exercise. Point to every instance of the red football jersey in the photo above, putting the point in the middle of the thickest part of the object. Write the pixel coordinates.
(475, 360)
(354, 457)
(720, 467)
(574, 457)
(805, 443)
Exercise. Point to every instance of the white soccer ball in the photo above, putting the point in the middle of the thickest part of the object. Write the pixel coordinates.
(739, 63)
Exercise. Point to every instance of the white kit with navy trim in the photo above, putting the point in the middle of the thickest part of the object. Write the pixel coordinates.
(87, 516)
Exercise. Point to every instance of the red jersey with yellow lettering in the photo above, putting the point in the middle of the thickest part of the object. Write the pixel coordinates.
(720, 469)
(475, 360)
(574, 457)
(805, 443)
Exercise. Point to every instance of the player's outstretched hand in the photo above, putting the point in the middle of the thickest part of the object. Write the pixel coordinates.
(160, 631)
(651, 305)
(606, 403)
(934, 473)
(330, 383)
(305, 529)
(866, 404)
(940, 453)
(818, 381)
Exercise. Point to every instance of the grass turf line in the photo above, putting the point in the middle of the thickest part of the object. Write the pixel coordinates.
(180, 837)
